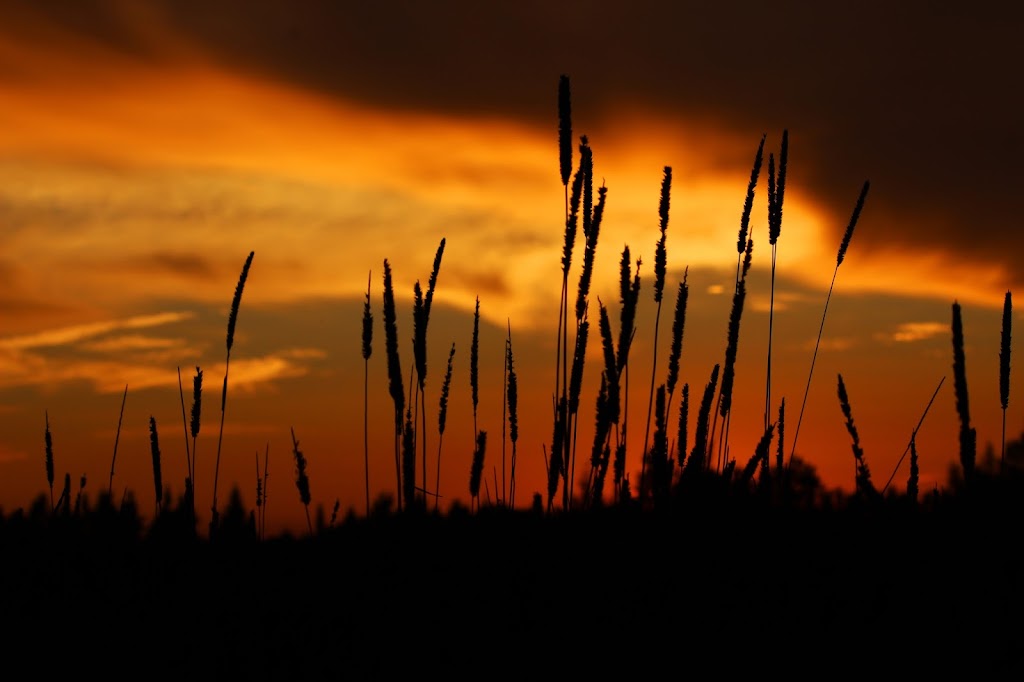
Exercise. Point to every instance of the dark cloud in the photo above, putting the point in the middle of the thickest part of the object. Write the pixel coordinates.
(188, 266)
(488, 282)
(30, 308)
(919, 97)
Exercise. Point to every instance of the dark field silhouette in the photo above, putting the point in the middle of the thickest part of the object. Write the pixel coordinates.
(742, 581)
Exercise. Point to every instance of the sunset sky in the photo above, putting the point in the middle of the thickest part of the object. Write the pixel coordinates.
(147, 148)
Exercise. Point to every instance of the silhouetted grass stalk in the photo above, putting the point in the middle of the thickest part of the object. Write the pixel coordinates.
(259, 497)
(660, 473)
(862, 475)
(48, 441)
(660, 266)
(731, 351)
(184, 426)
(744, 250)
(117, 438)
(194, 422)
(780, 456)
(81, 492)
(610, 413)
(968, 435)
(600, 452)
(302, 479)
(776, 193)
(913, 434)
(912, 480)
(409, 461)
(154, 448)
(442, 417)
(229, 341)
(696, 461)
(676, 347)
(512, 391)
(421, 319)
(571, 217)
(501, 493)
(266, 496)
(592, 229)
(629, 297)
(576, 383)
(567, 402)
(64, 503)
(367, 352)
(1004, 369)
(474, 385)
(477, 467)
(684, 418)
(839, 261)
(760, 457)
(395, 382)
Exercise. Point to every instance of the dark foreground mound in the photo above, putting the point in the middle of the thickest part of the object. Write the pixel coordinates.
(514, 595)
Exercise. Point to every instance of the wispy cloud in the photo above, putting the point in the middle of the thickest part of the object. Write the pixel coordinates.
(110, 376)
(762, 303)
(65, 336)
(908, 332)
(131, 342)
(249, 373)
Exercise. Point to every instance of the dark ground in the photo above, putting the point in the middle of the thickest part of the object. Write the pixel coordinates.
(709, 589)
